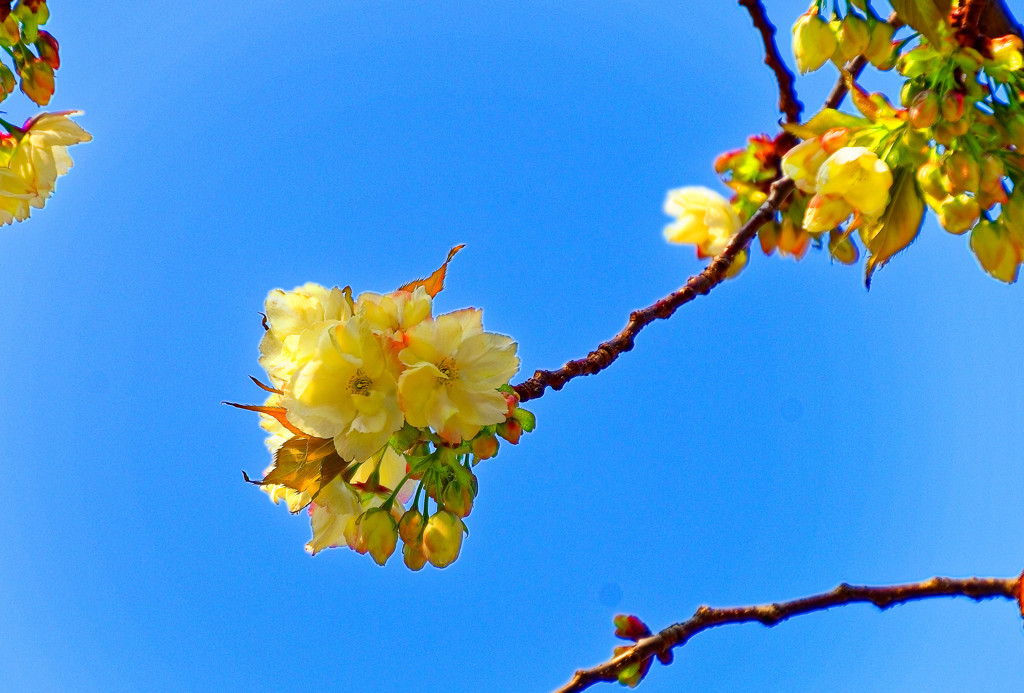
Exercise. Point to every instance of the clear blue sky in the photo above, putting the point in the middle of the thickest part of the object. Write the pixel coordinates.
(784, 434)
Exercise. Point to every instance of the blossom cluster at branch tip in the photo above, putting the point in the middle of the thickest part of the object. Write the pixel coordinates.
(375, 401)
(32, 159)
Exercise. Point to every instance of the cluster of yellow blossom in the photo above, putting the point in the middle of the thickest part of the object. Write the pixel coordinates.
(370, 396)
(842, 179)
(705, 219)
(32, 159)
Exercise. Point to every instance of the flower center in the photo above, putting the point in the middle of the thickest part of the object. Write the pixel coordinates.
(360, 384)
(449, 370)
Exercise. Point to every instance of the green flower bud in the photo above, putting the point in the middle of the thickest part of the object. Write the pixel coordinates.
(442, 538)
(959, 213)
(854, 36)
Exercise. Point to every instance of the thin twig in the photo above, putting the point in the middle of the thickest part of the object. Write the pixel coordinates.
(789, 104)
(770, 615)
(698, 285)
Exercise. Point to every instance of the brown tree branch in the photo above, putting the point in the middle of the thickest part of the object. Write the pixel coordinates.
(770, 615)
(698, 285)
(789, 104)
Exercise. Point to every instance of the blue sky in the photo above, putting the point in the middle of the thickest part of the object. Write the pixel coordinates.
(789, 432)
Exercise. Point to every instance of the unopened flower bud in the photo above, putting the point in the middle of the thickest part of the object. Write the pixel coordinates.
(793, 241)
(853, 37)
(953, 106)
(813, 41)
(485, 447)
(962, 171)
(931, 180)
(413, 556)
(880, 48)
(410, 527)
(379, 533)
(1013, 211)
(959, 213)
(10, 34)
(442, 538)
(37, 80)
(48, 49)
(835, 139)
(7, 81)
(510, 430)
(992, 173)
(924, 110)
(458, 499)
(996, 252)
(987, 199)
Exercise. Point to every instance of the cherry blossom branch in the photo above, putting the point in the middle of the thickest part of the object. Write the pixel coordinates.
(705, 618)
(698, 285)
(789, 104)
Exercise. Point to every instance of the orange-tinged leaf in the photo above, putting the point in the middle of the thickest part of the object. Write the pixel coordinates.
(435, 282)
(265, 387)
(898, 226)
(278, 413)
(305, 465)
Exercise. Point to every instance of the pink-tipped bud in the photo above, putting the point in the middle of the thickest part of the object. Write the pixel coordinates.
(410, 527)
(48, 49)
(510, 430)
(485, 447)
(37, 80)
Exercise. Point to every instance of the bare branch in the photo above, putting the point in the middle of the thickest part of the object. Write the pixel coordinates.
(770, 615)
(789, 104)
(698, 285)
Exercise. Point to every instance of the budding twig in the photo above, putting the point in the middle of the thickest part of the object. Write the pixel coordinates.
(770, 615)
(789, 104)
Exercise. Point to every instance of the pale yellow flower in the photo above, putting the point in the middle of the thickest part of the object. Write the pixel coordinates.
(453, 371)
(801, 163)
(290, 314)
(703, 218)
(345, 389)
(391, 314)
(825, 212)
(41, 156)
(336, 507)
(858, 176)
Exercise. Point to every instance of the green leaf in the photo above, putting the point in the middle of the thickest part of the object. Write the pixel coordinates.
(924, 16)
(526, 419)
(823, 121)
(898, 226)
